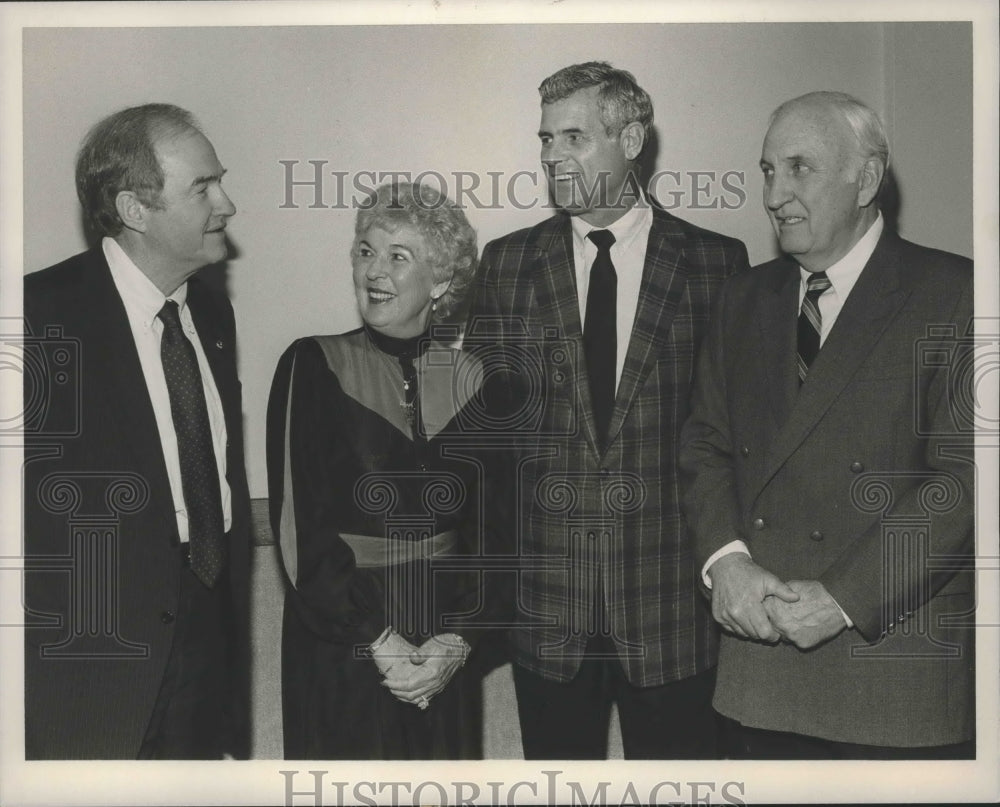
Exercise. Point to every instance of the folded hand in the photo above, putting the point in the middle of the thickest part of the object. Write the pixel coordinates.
(427, 670)
(813, 619)
(739, 588)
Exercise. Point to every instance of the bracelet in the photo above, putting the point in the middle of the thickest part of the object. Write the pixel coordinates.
(456, 639)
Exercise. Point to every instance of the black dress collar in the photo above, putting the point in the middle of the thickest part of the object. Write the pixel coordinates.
(408, 348)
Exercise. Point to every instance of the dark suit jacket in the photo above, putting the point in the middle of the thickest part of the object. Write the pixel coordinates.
(100, 536)
(584, 518)
(863, 479)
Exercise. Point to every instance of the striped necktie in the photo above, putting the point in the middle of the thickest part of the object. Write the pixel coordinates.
(810, 322)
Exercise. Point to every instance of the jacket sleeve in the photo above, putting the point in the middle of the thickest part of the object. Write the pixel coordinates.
(305, 451)
(491, 607)
(711, 503)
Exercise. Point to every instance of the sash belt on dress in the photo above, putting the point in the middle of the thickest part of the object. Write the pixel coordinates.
(377, 550)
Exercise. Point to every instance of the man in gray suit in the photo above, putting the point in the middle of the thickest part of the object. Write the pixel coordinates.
(829, 467)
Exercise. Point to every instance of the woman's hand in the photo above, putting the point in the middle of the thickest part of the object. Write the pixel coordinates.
(390, 650)
(428, 669)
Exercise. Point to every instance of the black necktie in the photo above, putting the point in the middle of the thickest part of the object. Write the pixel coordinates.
(810, 322)
(600, 334)
(199, 471)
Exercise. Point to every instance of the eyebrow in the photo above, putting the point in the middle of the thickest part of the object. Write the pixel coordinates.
(209, 178)
(568, 130)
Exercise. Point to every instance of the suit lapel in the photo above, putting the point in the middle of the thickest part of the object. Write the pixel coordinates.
(871, 306)
(776, 318)
(116, 375)
(663, 281)
(212, 342)
(554, 274)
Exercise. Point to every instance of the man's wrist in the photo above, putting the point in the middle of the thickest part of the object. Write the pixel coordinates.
(733, 547)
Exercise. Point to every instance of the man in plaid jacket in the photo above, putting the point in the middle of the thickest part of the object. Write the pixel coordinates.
(594, 337)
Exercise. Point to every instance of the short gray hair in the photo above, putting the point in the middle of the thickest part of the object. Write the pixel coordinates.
(620, 99)
(863, 120)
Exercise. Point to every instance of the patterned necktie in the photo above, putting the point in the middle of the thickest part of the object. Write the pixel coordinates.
(199, 471)
(810, 322)
(600, 333)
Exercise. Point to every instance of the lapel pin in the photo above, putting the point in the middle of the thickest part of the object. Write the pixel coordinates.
(219, 344)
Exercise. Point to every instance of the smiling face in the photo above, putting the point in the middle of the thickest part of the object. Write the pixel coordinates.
(587, 169)
(818, 188)
(394, 281)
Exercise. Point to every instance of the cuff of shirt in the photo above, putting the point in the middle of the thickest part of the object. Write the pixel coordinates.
(843, 613)
(728, 549)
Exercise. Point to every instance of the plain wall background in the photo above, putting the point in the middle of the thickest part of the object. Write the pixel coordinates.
(463, 98)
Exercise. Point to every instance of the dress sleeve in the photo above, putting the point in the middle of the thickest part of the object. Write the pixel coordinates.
(306, 458)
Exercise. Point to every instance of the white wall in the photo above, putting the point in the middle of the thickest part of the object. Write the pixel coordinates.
(929, 100)
(447, 99)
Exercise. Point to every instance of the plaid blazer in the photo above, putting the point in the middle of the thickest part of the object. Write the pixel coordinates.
(586, 520)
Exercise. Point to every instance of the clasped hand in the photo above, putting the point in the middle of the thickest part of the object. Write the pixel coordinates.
(751, 602)
(416, 674)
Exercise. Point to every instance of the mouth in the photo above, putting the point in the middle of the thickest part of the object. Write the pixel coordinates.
(788, 221)
(378, 297)
(564, 177)
(218, 230)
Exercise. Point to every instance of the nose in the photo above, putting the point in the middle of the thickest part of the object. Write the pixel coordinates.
(776, 192)
(224, 205)
(375, 268)
(552, 155)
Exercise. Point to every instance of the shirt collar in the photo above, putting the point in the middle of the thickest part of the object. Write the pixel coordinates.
(845, 272)
(139, 294)
(625, 229)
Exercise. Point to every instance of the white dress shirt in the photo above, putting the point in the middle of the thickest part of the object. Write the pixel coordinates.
(143, 302)
(843, 275)
(628, 254)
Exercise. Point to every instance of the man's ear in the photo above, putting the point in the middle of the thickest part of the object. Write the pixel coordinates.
(869, 181)
(631, 139)
(132, 212)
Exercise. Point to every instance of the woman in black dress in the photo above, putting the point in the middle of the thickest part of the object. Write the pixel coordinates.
(376, 499)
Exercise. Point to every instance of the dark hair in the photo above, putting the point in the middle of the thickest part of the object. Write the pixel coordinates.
(449, 236)
(620, 99)
(118, 154)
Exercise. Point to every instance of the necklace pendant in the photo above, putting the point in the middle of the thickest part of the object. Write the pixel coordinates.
(409, 412)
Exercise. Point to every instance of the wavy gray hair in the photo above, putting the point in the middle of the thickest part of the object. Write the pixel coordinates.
(450, 238)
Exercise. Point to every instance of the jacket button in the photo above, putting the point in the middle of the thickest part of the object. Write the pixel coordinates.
(745, 451)
(167, 617)
(857, 467)
(816, 535)
(758, 523)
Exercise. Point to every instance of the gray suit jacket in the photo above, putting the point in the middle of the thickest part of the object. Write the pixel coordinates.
(862, 479)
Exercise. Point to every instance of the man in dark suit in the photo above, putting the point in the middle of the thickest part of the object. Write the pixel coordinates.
(594, 317)
(136, 505)
(829, 465)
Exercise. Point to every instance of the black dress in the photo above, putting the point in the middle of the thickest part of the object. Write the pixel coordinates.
(361, 470)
